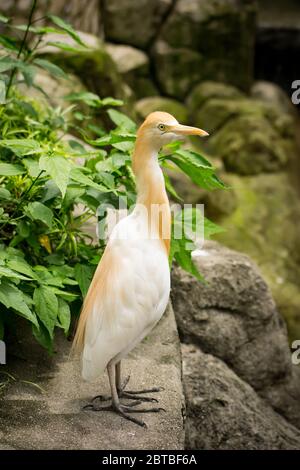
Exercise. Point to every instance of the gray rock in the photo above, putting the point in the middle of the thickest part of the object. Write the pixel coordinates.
(176, 69)
(210, 29)
(134, 67)
(83, 15)
(224, 412)
(234, 318)
(282, 14)
(270, 93)
(133, 22)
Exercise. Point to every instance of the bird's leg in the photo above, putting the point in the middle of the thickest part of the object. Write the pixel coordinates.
(129, 394)
(133, 394)
(120, 386)
(117, 407)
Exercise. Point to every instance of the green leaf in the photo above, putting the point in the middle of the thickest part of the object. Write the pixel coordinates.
(201, 175)
(23, 229)
(46, 305)
(32, 167)
(51, 68)
(10, 169)
(91, 99)
(83, 275)
(183, 256)
(21, 266)
(3, 18)
(58, 168)
(112, 102)
(38, 211)
(194, 157)
(7, 63)
(2, 92)
(6, 272)
(66, 27)
(21, 147)
(121, 120)
(9, 43)
(170, 188)
(41, 334)
(210, 228)
(64, 315)
(65, 47)
(12, 297)
(5, 194)
(78, 176)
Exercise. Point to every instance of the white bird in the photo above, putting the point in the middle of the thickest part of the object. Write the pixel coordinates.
(130, 288)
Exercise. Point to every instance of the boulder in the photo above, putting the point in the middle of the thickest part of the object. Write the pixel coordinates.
(81, 15)
(233, 317)
(265, 224)
(248, 144)
(92, 64)
(134, 67)
(250, 135)
(56, 89)
(176, 69)
(224, 412)
(270, 93)
(134, 22)
(206, 90)
(210, 29)
(158, 103)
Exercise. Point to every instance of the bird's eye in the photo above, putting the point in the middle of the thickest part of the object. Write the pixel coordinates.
(161, 127)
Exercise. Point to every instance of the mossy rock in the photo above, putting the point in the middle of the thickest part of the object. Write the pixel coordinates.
(249, 135)
(206, 90)
(249, 145)
(158, 103)
(176, 70)
(211, 29)
(133, 22)
(266, 225)
(93, 64)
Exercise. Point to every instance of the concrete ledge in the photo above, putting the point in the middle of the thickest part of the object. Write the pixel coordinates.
(54, 419)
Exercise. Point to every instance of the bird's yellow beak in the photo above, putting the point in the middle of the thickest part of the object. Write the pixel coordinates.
(188, 130)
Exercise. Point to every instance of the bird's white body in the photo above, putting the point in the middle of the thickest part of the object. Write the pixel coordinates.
(135, 300)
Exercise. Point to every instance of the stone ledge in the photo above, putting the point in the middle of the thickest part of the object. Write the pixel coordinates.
(54, 420)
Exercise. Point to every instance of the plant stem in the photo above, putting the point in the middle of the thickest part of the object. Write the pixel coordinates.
(12, 75)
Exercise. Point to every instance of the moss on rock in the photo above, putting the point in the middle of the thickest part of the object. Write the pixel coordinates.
(266, 225)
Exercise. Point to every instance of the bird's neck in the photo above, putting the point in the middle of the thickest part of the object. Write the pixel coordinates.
(151, 191)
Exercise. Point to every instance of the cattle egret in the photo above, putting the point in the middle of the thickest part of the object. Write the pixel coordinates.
(130, 288)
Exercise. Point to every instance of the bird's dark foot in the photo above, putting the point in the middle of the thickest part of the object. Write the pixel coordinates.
(108, 397)
(130, 394)
(135, 394)
(123, 410)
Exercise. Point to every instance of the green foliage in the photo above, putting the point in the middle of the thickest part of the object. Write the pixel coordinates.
(47, 260)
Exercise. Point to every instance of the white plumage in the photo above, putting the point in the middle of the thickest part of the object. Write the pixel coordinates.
(138, 300)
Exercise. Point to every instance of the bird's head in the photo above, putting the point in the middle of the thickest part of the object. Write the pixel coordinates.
(160, 128)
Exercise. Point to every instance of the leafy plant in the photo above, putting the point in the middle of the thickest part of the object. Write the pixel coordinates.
(46, 257)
